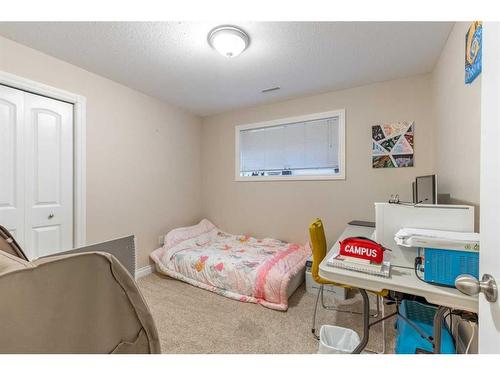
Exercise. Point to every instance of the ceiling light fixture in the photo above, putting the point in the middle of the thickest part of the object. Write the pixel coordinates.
(229, 41)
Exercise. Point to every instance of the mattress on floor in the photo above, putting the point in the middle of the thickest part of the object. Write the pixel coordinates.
(240, 267)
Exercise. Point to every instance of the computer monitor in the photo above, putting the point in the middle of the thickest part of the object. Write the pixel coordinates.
(425, 190)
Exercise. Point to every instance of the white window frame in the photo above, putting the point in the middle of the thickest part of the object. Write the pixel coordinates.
(340, 113)
(80, 123)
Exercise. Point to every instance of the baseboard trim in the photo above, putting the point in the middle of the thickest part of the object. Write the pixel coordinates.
(143, 271)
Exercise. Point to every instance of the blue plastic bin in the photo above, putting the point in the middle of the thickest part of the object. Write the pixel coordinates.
(409, 339)
(443, 266)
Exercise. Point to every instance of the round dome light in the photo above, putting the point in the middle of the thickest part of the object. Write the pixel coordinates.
(229, 41)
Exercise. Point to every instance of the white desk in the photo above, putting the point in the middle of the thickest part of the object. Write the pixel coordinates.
(401, 280)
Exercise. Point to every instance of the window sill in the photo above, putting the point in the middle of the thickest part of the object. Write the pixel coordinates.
(287, 178)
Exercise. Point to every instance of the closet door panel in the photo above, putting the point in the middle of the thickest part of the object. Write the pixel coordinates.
(11, 162)
(47, 239)
(47, 157)
(49, 170)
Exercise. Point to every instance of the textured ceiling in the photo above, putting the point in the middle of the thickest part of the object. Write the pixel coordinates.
(173, 61)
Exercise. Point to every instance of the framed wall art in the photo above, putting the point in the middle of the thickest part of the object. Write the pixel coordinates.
(473, 51)
(392, 145)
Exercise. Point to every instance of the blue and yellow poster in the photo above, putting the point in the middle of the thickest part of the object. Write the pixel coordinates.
(473, 51)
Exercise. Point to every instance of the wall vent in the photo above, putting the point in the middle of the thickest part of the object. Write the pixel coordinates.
(271, 89)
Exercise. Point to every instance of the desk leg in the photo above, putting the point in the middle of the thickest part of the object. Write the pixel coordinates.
(366, 322)
(438, 325)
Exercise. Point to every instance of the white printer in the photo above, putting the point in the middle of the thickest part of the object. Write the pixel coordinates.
(391, 217)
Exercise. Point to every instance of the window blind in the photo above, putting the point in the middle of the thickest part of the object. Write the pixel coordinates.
(303, 145)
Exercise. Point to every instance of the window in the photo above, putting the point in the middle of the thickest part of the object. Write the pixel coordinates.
(302, 148)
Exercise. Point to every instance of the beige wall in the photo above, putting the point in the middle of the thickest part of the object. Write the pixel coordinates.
(283, 209)
(143, 158)
(457, 109)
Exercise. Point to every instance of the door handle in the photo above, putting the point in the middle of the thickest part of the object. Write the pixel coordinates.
(50, 216)
(471, 286)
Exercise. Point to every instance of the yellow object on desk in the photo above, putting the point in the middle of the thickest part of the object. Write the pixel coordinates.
(319, 250)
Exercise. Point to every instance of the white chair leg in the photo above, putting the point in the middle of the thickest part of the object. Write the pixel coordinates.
(380, 302)
(384, 346)
(313, 330)
(334, 308)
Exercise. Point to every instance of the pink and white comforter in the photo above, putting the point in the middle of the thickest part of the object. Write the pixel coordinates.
(236, 266)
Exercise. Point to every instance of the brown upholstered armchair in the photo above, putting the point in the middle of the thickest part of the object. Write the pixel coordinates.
(79, 303)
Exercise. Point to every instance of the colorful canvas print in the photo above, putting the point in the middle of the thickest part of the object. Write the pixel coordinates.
(392, 145)
(473, 51)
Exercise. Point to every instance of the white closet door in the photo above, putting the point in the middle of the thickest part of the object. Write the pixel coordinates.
(11, 162)
(49, 175)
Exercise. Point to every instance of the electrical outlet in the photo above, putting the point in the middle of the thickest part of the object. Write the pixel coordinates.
(161, 240)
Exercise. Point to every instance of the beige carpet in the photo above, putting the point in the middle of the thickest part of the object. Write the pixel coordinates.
(193, 320)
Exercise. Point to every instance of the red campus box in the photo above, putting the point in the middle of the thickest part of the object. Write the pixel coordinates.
(363, 248)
